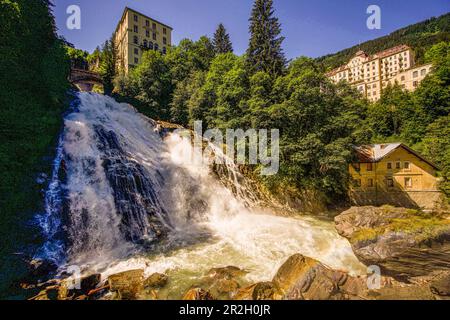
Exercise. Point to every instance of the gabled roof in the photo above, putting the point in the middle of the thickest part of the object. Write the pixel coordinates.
(377, 152)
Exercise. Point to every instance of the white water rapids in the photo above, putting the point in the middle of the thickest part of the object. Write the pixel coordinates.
(122, 197)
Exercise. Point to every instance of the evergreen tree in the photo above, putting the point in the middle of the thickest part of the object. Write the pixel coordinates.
(221, 41)
(265, 52)
(107, 67)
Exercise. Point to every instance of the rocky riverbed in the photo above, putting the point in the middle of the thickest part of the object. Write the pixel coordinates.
(411, 249)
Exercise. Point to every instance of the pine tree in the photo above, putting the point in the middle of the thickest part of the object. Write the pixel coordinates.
(221, 41)
(265, 52)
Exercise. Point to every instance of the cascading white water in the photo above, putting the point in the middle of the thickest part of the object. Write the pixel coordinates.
(122, 197)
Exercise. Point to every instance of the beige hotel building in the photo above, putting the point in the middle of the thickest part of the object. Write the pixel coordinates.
(137, 33)
(371, 74)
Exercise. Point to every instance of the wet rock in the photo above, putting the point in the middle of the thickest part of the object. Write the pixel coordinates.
(223, 283)
(49, 293)
(259, 291)
(441, 285)
(198, 294)
(127, 284)
(41, 269)
(303, 278)
(90, 282)
(229, 272)
(156, 280)
(404, 243)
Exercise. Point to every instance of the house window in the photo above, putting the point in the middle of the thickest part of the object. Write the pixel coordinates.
(150, 45)
(407, 166)
(415, 84)
(136, 40)
(156, 47)
(390, 182)
(154, 26)
(398, 165)
(154, 36)
(136, 18)
(136, 29)
(369, 167)
(136, 51)
(164, 31)
(165, 40)
(408, 182)
(389, 165)
(147, 23)
(145, 44)
(370, 183)
(423, 72)
(415, 74)
(147, 33)
(136, 60)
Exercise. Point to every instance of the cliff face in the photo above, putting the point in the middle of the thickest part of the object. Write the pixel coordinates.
(404, 243)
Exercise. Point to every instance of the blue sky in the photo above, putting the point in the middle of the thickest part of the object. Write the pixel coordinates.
(311, 27)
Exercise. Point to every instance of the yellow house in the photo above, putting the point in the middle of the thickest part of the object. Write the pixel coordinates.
(393, 174)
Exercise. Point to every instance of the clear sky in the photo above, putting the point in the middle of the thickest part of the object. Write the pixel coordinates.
(311, 27)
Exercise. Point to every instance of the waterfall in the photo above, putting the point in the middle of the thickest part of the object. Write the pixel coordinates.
(121, 192)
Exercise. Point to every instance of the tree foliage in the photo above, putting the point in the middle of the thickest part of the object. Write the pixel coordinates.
(265, 52)
(221, 40)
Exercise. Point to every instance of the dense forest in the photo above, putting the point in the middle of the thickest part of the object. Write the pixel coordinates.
(319, 121)
(33, 85)
(420, 36)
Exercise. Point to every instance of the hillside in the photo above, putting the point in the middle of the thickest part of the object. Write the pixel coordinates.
(419, 36)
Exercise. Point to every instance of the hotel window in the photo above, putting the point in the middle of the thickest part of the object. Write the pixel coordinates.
(136, 40)
(136, 60)
(369, 167)
(136, 29)
(136, 17)
(370, 183)
(150, 45)
(154, 36)
(415, 74)
(164, 50)
(398, 165)
(164, 31)
(389, 165)
(156, 47)
(415, 84)
(165, 40)
(154, 26)
(423, 72)
(136, 51)
(147, 33)
(145, 43)
(408, 182)
(390, 182)
(147, 23)
(407, 165)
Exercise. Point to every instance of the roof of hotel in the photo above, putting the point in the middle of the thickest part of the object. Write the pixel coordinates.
(129, 9)
(377, 152)
(378, 55)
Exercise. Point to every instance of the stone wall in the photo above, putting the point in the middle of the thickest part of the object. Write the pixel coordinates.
(426, 200)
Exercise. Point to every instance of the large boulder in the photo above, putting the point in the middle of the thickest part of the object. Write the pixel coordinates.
(156, 280)
(441, 285)
(259, 291)
(223, 283)
(303, 278)
(404, 243)
(128, 285)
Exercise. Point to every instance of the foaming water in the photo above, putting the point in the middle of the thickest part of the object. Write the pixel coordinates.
(122, 197)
